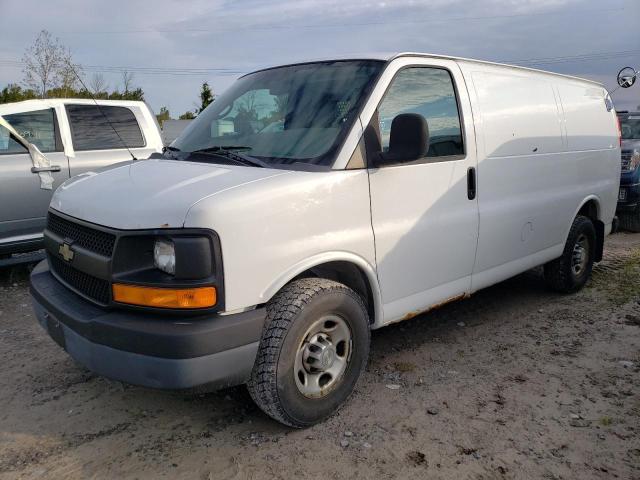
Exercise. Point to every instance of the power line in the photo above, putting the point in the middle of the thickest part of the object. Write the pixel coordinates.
(144, 70)
(576, 58)
(217, 71)
(294, 25)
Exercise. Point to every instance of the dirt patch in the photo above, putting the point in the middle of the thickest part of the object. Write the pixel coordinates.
(514, 382)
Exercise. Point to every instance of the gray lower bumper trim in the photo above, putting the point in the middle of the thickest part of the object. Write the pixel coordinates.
(218, 370)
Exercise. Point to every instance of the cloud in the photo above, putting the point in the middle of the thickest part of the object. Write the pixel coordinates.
(530, 6)
(249, 34)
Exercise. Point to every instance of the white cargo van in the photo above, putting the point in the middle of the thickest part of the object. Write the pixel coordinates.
(311, 203)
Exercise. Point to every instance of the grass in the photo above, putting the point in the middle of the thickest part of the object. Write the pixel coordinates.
(606, 421)
(621, 285)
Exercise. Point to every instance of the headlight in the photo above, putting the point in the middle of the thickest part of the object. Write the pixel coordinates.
(164, 256)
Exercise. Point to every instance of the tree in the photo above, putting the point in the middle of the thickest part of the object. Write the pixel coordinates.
(68, 75)
(163, 115)
(47, 64)
(98, 84)
(206, 96)
(136, 94)
(14, 93)
(188, 115)
(127, 80)
(249, 107)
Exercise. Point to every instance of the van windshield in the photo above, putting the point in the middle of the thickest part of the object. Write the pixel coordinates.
(630, 126)
(286, 115)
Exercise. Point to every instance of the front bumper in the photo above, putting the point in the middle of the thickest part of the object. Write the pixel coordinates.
(630, 190)
(148, 349)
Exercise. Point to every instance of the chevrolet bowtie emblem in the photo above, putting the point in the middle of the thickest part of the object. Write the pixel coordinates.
(66, 252)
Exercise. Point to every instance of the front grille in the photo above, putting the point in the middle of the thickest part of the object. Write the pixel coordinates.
(626, 160)
(99, 242)
(92, 287)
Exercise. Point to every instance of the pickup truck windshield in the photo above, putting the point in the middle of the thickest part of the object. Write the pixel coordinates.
(630, 126)
(286, 115)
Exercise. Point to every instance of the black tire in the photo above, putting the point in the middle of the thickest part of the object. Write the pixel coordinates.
(630, 221)
(290, 314)
(559, 273)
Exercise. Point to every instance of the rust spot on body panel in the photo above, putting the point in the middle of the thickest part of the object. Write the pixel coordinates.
(435, 306)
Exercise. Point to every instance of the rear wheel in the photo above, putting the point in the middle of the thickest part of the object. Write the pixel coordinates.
(314, 346)
(571, 271)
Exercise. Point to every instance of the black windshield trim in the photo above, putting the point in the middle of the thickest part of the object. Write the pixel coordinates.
(213, 158)
(227, 152)
(314, 62)
(329, 156)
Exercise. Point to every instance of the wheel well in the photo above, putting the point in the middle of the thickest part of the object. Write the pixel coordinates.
(590, 210)
(348, 274)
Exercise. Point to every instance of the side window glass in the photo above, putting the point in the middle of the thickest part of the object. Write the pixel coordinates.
(8, 145)
(37, 127)
(430, 93)
(94, 128)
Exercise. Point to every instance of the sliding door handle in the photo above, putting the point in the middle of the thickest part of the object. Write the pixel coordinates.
(52, 168)
(471, 183)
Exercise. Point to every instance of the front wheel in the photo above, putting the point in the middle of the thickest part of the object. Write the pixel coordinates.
(314, 346)
(570, 272)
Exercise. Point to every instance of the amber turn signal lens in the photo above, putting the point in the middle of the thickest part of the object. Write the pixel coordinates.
(201, 297)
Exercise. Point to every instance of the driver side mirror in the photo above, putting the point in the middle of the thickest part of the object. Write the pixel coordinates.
(408, 141)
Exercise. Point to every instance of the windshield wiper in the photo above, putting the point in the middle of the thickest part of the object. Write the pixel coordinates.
(232, 153)
(217, 148)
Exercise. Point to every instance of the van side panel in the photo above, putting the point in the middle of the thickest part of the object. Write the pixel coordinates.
(592, 143)
(520, 114)
(520, 194)
(588, 124)
(535, 171)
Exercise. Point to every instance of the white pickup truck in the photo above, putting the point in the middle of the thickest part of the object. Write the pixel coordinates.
(313, 202)
(76, 136)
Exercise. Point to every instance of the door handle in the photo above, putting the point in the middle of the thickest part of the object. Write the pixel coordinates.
(52, 168)
(471, 183)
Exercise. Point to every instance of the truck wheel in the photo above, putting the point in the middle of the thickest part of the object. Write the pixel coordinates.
(314, 346)
(571, 271)
(630, 221)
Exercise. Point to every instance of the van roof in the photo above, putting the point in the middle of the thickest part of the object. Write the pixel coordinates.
(387, 57)
(486, 62)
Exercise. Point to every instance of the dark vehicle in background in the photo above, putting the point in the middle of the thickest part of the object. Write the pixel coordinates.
(628, 210)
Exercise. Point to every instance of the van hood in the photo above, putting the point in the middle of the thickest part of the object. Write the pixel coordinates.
(149, 193)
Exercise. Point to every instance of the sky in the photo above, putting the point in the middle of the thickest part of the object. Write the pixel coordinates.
(173, 46)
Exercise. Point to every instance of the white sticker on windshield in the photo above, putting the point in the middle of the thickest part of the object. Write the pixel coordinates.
(4, 138)
(633, 117)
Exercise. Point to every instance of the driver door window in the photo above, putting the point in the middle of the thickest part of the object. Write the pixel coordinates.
(37, 127)
(8, 144)
(429, 92)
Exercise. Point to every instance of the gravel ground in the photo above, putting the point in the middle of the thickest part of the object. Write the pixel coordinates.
(514, 382)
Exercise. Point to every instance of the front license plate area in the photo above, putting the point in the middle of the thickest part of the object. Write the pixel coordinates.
(622, 194)
(56, 332)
